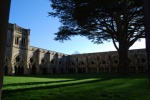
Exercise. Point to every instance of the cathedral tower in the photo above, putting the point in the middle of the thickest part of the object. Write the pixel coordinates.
(17, 49)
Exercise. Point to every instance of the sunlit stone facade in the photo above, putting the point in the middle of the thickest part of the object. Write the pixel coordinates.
(23, 59)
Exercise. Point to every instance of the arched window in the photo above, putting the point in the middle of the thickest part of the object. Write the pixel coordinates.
(73, 63)
(16, 40)
(103, 62)
(52, 62)
(92, 62)
(60, 63)
(42, 61)
(31, 60)
(82, 63)
(18, 59)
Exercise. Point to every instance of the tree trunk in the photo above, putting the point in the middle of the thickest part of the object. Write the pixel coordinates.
(4, 11)
(123, 59)
(147, 32)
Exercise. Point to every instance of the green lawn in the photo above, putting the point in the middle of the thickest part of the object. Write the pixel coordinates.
(76, 87)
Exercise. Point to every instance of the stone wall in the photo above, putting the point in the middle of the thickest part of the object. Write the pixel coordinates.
(25, 59)
(106, 62)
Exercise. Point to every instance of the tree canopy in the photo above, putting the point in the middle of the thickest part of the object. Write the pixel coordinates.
(101, 20)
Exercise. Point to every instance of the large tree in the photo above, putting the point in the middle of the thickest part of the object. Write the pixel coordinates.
(4, 11)
(118, 20)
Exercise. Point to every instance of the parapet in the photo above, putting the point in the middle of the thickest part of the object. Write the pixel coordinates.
(18, 29)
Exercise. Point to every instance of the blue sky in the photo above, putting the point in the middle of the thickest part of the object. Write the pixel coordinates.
(33, 15)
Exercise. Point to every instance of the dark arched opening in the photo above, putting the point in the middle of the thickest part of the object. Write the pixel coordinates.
(33, 70)
(20, 70)
(44, 70)
(16, 70)
(54, 70)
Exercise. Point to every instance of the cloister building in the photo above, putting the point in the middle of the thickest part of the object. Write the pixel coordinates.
(23, 59)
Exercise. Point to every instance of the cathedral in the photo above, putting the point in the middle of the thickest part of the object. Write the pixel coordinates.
(23, 59)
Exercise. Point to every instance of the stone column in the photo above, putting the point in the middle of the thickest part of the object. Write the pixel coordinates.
(86, 70)
(38, 62)
(76, 70)
(25, 69)
(97, 70)
(48, 65)
(9, 69)
(13, 70)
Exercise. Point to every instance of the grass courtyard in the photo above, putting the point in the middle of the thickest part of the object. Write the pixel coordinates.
(76, 87)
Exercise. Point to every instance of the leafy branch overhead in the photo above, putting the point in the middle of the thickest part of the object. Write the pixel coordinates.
(99, 19)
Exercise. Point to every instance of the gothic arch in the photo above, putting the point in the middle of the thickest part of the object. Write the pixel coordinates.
(132, 64)
(18, 65)
(32, 65)
(43, 65)
(18, 59)
(32, 60)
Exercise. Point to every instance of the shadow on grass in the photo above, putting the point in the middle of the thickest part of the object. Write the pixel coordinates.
(85, 76)
(34, 83)
(7, 92)
(77, 80)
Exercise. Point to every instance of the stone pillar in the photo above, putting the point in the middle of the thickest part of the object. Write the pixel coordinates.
(76, 70)
(38, 62)
(86, 70)
(37, 69)
(97, 70)
(10, 70)
(48, 65)
(25, 69)
(13, 70)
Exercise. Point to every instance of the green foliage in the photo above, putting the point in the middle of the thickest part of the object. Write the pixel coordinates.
(99, 20)
(76, 87)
